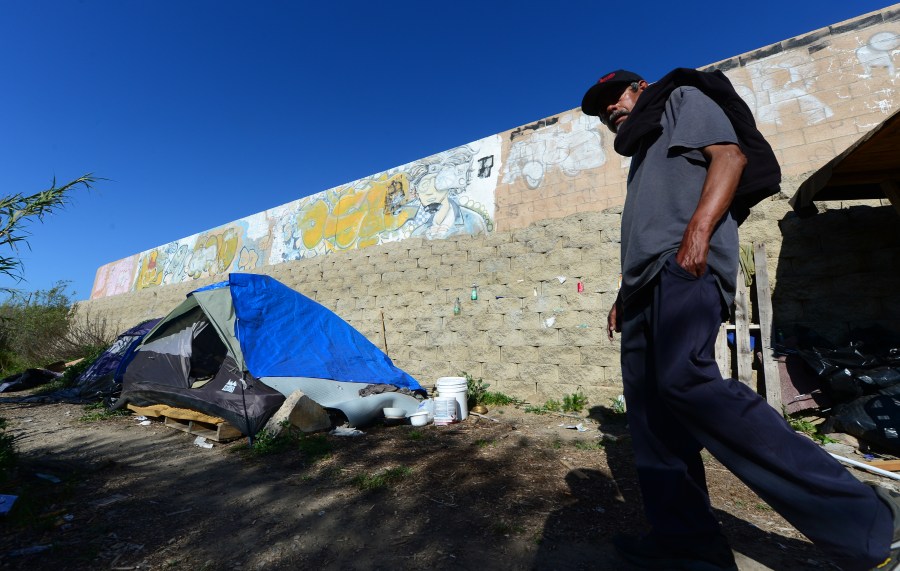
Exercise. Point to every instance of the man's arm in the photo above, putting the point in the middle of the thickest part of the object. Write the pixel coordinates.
(726, 163)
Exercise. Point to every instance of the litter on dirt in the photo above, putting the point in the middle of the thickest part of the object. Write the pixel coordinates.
(201, 442)
(346, 431)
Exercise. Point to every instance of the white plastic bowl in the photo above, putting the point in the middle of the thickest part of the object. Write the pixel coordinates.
(419, 418)
(394, 412)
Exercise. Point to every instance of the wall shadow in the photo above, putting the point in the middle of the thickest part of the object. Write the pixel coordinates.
(838, 272)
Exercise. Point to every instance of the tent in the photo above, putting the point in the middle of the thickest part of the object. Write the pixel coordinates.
(104, 377)
(101, 380)
(214, 352)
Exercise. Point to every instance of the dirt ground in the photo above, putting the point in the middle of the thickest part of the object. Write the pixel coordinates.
(520, 493)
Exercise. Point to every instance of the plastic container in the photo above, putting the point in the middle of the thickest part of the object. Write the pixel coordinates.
(445, 411)
(427, 406)
(418, 418)
(456, 388)
(394, 412)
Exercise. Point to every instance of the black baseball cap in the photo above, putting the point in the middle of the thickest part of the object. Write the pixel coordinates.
(606, 87)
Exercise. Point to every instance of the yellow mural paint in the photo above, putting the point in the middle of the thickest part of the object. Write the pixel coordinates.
(150, 274)
(312, 223)
(356, 216)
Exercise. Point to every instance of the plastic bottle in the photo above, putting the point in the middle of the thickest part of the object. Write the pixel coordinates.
(456, 307)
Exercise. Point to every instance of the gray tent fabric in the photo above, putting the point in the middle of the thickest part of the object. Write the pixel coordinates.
(185, 363)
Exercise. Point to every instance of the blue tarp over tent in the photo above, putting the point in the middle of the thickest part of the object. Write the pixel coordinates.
(283, 333)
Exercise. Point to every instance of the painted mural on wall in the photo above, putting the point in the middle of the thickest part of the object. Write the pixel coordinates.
(444, 195)
(775, 86)
(447, 194)
(567, 145)
(879, 52)
(784, 81)
(115, 278)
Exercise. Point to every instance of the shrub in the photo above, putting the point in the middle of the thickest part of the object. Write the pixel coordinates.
(574, 402)
(41, 327)
(476, 388)
(500, 399)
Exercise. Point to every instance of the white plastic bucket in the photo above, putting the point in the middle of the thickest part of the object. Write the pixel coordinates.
(445, 411)
(457, 388)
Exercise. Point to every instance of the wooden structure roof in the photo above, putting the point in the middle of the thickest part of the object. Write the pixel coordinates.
(869, 169)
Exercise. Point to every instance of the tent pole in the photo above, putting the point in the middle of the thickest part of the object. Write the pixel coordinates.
(384, 335)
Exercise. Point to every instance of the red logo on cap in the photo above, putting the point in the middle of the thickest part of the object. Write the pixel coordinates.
(607, 77)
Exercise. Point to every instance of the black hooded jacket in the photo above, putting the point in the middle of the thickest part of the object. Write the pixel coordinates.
(761, 177)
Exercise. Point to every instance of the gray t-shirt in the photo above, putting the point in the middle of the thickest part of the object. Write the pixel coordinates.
(664, 186)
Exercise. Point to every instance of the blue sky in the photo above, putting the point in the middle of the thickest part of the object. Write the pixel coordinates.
(201, 112)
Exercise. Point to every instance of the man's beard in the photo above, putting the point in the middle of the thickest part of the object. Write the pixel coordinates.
(614, 116)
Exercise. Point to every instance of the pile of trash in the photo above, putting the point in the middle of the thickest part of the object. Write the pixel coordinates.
(862, 381)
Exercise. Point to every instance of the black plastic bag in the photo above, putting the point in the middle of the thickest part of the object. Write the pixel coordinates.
(874, 419)
(848, 373)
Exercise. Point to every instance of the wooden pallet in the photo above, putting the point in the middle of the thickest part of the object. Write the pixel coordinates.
(742, 327)
(221, 432)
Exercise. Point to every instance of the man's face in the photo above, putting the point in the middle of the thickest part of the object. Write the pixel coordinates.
(616, 111)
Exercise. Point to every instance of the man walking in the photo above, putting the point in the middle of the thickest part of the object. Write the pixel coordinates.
(689, 172)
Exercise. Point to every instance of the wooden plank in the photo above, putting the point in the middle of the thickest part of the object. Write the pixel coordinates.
(889, 465)
(771, 374)
(742, 332)
(221, 432)
(723, 355)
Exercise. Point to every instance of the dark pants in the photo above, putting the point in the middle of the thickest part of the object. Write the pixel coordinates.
(678, 403)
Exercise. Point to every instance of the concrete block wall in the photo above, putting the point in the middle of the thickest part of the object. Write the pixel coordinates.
(530, 333)
(833, 273)
(533, 336)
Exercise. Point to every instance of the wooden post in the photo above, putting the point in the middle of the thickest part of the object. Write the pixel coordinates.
(384, 335)
(723, 355)
(771, 374)
(742, 332)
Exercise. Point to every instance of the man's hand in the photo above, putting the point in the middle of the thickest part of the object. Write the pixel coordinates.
(726, 163)
(614, 321)
(693, 252)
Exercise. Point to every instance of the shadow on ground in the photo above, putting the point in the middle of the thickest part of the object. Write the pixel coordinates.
(477, 495)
